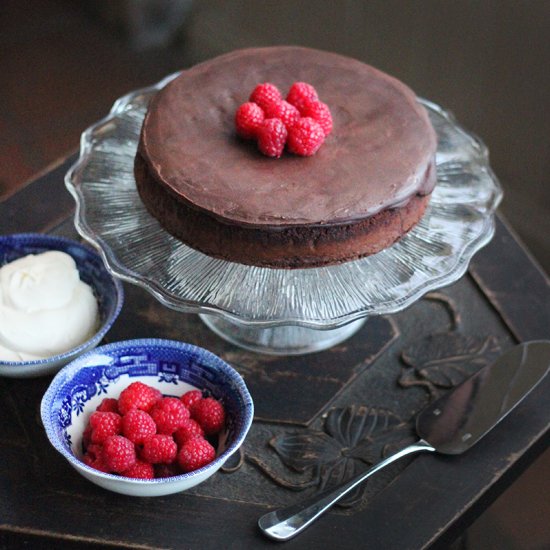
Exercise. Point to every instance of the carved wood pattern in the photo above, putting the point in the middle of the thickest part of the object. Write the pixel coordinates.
(355, 437)
(441, 361)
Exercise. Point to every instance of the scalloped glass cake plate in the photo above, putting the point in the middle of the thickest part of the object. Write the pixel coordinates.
(278, 310)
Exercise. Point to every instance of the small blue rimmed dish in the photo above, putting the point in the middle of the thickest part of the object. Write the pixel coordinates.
(170, 366)
(107, 290)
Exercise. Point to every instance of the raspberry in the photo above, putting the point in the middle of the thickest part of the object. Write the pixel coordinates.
(159, 448)
(190, 429)
(140, 470)
(138, 396)
(191, 397)
(195, 454)
(108, 405)
(264, 94)
(87, 436)
(210, 414)
(283, 111)
(169, 414)
(167, 470)
(248, 118)
(119, 453)
(137, 426)
(300, 94)
(272, 137)
(104, 425)
(94, 458)
(319, 111)
(305, 137)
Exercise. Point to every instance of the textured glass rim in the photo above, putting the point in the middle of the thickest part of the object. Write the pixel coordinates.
(118, 269)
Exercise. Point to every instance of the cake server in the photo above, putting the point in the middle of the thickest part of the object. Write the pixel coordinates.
(450, 425)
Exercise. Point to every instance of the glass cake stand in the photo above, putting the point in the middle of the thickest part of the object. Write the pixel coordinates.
(276, 310)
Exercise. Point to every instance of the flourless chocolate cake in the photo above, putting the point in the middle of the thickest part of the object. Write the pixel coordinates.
(366, 187)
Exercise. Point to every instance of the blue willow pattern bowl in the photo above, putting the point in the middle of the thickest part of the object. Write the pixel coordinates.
(107, 290)
(170, 366)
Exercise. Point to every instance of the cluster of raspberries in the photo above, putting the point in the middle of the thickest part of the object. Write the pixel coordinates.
(300, 122)
(145, 435)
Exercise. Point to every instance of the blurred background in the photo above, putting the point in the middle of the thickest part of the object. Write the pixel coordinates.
(64, 62)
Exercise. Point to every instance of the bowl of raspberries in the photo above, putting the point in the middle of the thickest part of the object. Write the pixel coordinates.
(147, 417)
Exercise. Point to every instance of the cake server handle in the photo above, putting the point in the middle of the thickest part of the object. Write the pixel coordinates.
(288, 522)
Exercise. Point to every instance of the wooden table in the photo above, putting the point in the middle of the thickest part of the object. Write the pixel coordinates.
(319, 417)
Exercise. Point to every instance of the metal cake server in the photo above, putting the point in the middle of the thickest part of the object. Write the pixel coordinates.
(450, 425)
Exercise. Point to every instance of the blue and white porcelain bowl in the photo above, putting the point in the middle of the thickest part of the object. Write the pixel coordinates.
(172, 367)
(107, 290)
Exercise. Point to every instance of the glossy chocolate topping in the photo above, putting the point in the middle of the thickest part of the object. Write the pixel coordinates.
(379, 155)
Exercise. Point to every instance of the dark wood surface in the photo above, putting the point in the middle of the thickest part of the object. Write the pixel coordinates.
(381, 374)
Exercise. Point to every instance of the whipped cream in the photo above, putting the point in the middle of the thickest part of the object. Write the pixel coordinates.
(45, 309)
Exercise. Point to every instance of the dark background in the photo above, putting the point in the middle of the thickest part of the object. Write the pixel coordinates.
(63, 63)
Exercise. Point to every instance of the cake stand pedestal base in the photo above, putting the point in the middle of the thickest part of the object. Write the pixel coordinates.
(281, 340)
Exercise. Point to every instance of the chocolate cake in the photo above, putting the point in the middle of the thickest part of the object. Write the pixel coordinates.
(366, 187)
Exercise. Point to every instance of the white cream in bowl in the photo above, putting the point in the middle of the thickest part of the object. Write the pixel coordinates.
(45, 309)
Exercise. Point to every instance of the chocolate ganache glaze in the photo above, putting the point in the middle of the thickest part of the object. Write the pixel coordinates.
(368, 184)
